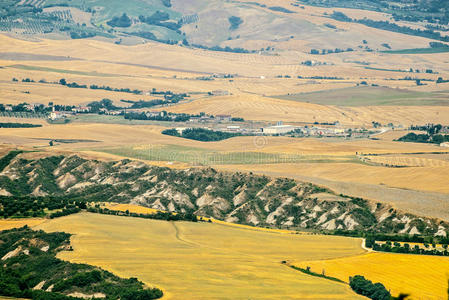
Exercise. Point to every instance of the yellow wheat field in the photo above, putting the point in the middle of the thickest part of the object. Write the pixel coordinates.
(203, 260)
(421, 276)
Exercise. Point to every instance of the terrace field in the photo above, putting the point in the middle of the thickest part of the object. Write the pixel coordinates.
(202, 260)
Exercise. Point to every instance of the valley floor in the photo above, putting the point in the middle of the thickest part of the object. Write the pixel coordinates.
(202, 260)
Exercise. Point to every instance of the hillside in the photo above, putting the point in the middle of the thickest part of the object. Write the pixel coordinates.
(234, 197)
(230, 26)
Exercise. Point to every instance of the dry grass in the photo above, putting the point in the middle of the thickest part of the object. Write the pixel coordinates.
(202, 260)
(421, 276)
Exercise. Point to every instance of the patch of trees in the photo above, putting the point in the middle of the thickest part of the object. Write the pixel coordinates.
(97, 106)
(424, 138)
(235, 22)
(123, 21)
(20, 273)
(81, 35)
(371, 237)
(30, 206)
(164, 116)
(160, 215)
(397, 247)
(365, 287)
(201, 134)
(224, 49)
(19, 125)
(385, 25)
(281, 9)
(160, 18)
(166, 3)
(144, 103)
(438, 45)
(122, 90)
(66, 212)
(64, 82)
(441, 80)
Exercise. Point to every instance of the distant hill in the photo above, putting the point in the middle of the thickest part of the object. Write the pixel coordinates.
(237, 26)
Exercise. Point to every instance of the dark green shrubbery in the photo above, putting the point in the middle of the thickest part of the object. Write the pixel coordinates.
(201, 134)
(375, 291)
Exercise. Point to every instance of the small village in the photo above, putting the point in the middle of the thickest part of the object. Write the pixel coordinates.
(222, 122)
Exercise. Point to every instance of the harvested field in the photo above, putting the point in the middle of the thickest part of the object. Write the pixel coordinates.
(218, 258)
(370, 96)
(420, 276)
(252, 107)
(408, 161)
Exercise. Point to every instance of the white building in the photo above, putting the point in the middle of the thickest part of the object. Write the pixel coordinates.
(444, 144)
(278, 129)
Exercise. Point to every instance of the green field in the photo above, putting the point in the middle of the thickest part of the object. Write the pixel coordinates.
(369, 96)
(202, 260)
(201, 156)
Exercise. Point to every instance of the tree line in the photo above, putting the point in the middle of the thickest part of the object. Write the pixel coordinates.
(19, 125)
(201, 134)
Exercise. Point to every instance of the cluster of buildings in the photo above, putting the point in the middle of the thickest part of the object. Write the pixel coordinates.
(211, 119)
(280, 129)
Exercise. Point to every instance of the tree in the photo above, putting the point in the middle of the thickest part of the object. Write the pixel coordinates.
(235, 22)
(51, 143)
(62, 81)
